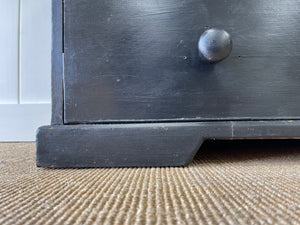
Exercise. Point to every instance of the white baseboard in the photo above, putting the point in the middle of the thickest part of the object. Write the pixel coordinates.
(19, 122)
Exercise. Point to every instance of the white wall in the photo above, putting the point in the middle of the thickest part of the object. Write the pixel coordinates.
(25, 47)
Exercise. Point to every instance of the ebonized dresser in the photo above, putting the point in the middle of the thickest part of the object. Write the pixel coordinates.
(145, 82)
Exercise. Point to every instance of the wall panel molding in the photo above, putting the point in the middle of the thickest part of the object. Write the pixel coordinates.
(25, 72)
(35, 51)
(9, 49)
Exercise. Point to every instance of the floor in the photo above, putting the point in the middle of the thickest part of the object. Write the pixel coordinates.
(240, 182)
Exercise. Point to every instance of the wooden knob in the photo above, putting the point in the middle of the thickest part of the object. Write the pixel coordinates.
(214, 45)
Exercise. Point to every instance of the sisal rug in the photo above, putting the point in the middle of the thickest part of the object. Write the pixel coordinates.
(250, 182)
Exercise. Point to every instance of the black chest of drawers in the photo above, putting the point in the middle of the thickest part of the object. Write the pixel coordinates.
(133, 84)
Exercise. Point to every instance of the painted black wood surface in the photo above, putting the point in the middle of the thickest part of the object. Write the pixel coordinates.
(120, 68)
(138, 60)
(152, 144)
(57, 62)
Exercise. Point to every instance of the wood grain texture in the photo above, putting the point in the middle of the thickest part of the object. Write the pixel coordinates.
(57, 63)
(152, 144)
(138, 61)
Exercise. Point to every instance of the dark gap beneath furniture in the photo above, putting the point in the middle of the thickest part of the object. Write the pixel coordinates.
(243, 150)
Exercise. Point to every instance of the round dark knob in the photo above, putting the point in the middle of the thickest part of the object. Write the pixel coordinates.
(214, 45)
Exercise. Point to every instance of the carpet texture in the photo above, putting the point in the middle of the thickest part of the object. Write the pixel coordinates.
(227, 183)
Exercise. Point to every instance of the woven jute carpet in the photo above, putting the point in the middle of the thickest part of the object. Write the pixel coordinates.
(228, 183)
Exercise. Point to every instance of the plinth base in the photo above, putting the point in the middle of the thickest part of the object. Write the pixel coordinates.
(145, 144)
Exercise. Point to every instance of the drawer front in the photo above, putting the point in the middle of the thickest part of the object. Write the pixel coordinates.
(138, 60)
